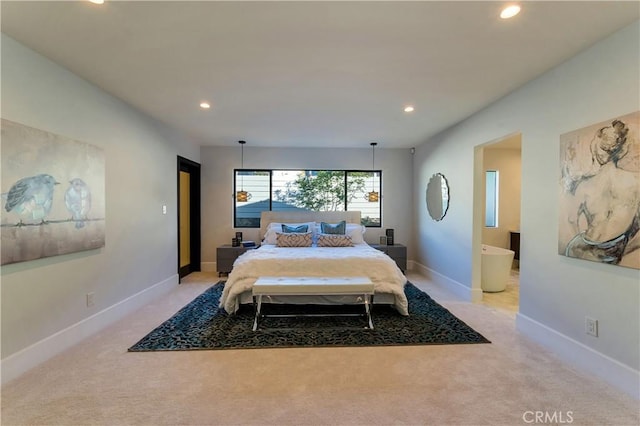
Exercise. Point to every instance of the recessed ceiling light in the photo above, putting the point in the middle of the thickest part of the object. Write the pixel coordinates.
(97, 1)
(205, 105)
(510, 11)
(408, 108)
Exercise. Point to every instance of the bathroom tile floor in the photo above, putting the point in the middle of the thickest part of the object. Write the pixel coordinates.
(507, 300)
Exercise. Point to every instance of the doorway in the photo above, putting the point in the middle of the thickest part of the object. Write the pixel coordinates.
(497, 219)
(188, 217)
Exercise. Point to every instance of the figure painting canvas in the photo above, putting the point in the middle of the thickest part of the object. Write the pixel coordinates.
(600, 192)
(53, 194)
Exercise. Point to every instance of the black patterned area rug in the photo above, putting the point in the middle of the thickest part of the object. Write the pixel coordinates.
(203, 325)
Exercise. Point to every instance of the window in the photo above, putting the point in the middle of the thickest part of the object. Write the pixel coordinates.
(491, 204)
(311, 190)
(257, 184)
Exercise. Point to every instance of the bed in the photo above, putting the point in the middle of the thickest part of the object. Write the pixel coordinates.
(271, 259)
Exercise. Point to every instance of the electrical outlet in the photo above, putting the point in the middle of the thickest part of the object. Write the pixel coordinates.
(90, 299)
(591, 326)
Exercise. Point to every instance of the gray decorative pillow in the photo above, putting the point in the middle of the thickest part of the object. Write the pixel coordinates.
(297, 229)
(334, 240)
(337, 228)
(293, 239)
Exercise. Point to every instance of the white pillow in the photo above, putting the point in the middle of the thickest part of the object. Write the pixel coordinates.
(356, 232)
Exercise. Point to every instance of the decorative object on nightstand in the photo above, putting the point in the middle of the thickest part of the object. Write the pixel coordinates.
(397, 252)
(383, 240)
(389, 233)
(227, 254)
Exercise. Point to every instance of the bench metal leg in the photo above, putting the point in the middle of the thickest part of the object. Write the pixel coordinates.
(258, 308)
(368, 300)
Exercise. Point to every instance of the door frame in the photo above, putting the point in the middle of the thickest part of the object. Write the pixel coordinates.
(193, 168)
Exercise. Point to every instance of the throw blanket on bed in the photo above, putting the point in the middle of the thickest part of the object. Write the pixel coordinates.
(359, 260)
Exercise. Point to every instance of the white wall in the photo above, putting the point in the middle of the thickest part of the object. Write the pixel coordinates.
(508, 164)
(217, 187)
(47, 296)
(556, 293)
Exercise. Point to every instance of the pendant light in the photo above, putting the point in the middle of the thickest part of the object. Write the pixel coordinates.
(242, 196)
(373, 196)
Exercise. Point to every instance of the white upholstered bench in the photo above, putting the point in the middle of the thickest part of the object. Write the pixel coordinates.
(317, 286)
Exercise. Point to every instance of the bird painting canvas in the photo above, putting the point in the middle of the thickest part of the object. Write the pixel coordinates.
(31, 197)
(53, 198)
(77, 198)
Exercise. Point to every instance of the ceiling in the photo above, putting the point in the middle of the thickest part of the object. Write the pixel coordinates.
(311, 74)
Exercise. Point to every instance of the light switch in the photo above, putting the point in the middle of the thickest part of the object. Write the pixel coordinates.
(164, 209)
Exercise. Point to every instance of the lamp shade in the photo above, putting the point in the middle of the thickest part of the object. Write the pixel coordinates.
(242, 196)
(373, 197)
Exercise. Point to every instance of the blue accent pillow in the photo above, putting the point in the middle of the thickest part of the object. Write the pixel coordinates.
(338, 228)
(294, 229)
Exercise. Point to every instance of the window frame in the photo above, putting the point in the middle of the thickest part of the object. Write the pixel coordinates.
(495, 204)
(270, 173)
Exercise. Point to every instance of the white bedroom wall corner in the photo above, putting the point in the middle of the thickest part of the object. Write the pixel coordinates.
(555, 290)
(217, 186)
(208, 266)
(477, 220)
(462, 291)
(586, 359)
(140, 248)
(411, 265)
(20, 362)
(556, 102)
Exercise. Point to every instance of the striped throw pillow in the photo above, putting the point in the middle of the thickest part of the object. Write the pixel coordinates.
(334, 240)
(293, 239)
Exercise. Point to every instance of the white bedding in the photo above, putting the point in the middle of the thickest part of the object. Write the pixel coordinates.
(359, 260)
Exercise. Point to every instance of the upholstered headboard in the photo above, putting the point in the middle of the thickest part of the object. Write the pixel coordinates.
(297, 216)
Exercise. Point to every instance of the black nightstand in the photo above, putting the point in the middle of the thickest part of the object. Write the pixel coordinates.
(226, 255)
(397, 252)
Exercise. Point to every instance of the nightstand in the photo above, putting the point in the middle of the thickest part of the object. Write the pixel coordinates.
(397, 252)
(226, 255)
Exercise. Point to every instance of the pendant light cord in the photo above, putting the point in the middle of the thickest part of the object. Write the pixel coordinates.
(241, 164)
(373, 166)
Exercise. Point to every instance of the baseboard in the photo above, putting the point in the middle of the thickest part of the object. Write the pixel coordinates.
(208, 266)
(581, 356)
(17, 364)
(411, 265)
(459, 289)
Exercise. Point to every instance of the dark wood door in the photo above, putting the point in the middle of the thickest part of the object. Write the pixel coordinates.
(188, 216)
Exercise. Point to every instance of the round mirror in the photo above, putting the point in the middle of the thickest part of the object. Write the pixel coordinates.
(437, 196)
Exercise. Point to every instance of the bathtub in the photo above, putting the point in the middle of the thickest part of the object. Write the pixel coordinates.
(496, 268)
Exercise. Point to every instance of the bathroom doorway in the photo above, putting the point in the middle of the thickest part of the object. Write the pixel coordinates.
(497, 221)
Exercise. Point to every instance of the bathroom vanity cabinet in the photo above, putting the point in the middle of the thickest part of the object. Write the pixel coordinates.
(514, 243)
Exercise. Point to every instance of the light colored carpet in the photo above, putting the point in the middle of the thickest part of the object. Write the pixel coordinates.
(99, 382)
